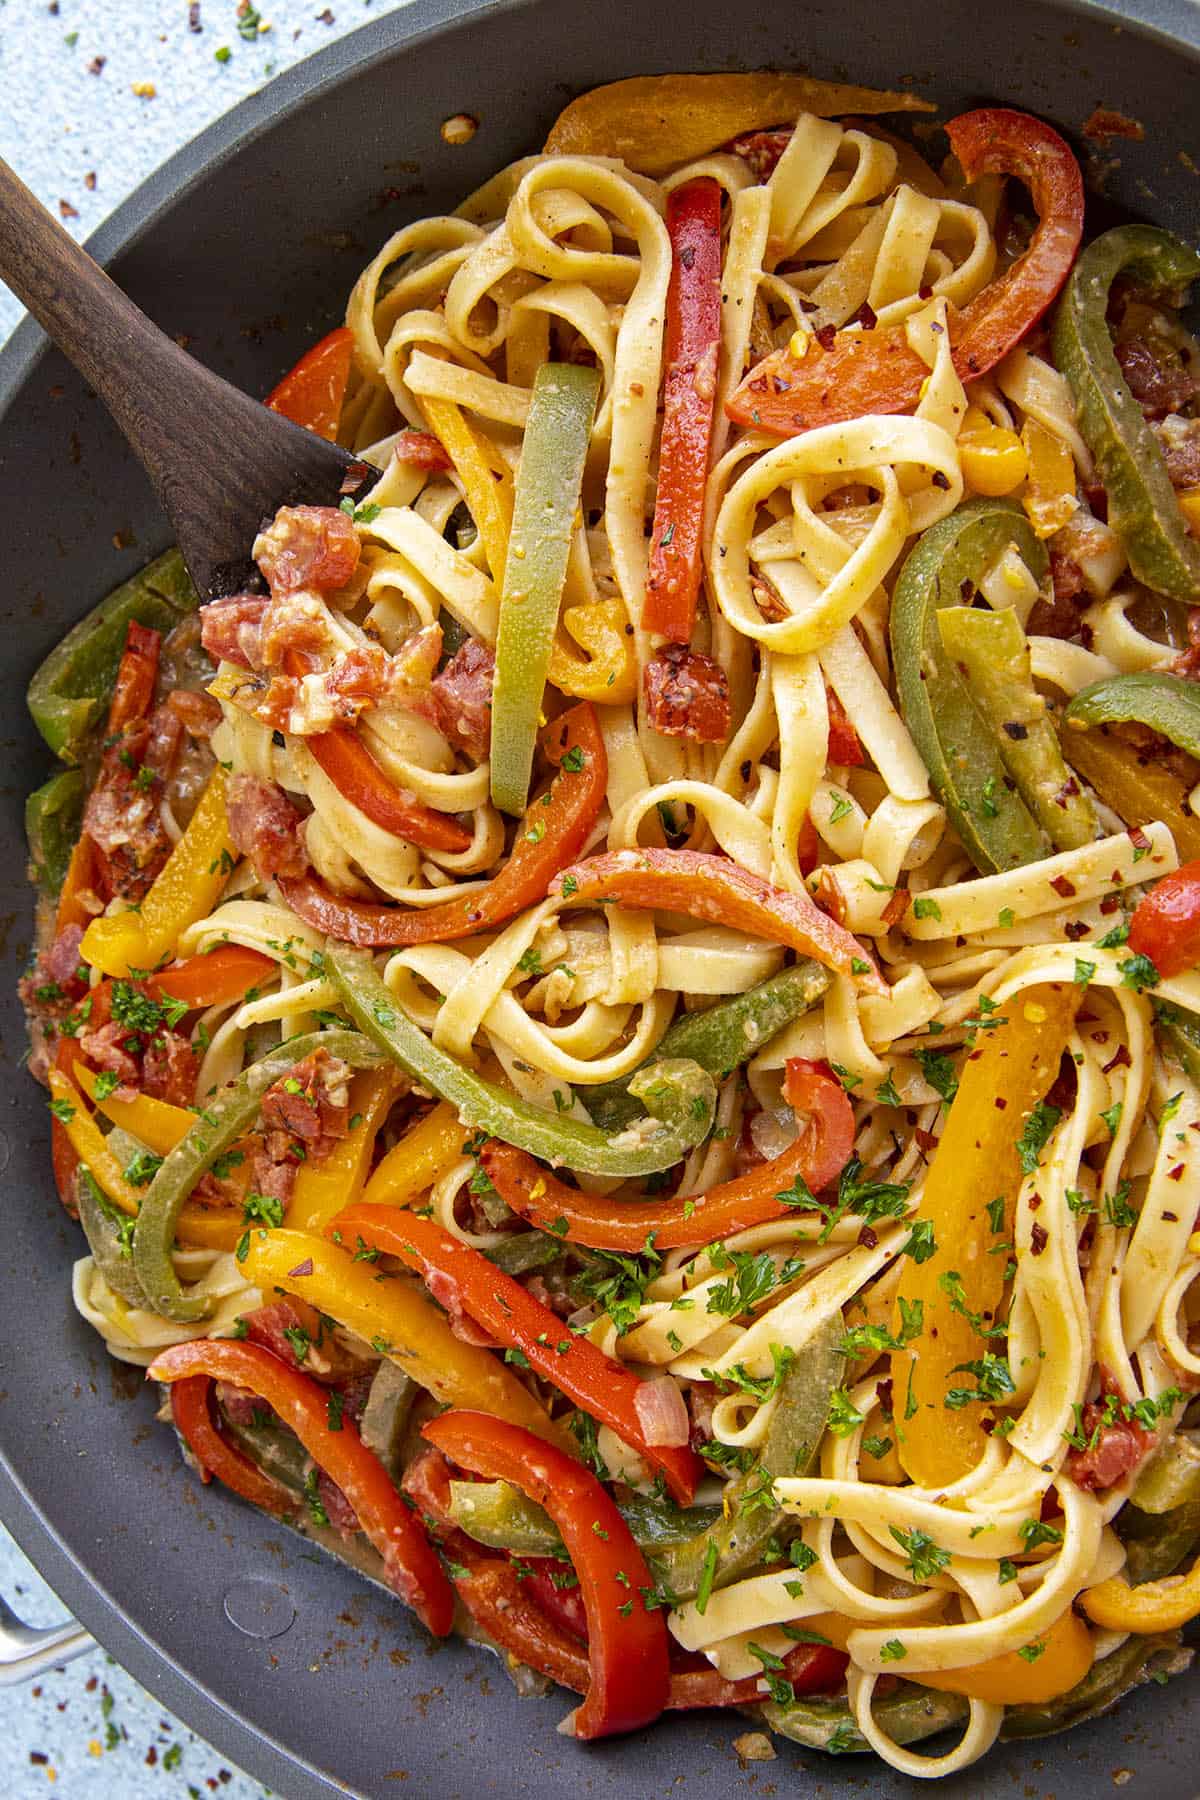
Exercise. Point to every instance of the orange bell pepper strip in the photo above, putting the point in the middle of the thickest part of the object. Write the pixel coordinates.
(693, 338)
(191, 1410)
(978, 1160)
(876, 371)
(311, 394)
(410, 1562)
(215, 978)
(512, 1314)
(413, 1165)
(393, 1315)
(713, 888)
(324, 1187)
(82, 877)
(554, 830)
(816, 1158)
(186, 888)
(1061, 1658)
(137, 674)
(629, 1674)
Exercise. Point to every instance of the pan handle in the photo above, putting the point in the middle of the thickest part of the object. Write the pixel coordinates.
(27, 1651)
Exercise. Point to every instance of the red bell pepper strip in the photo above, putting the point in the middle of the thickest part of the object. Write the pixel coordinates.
(554, 829)
(712, 887)
(1166, 924)
(411, 1565)
(191, 1409)
(358, 778)
(628, 1674)
(421, 450)
(845, 750)
(818, 1157)
(216, 978)
(876, 371)
(689, 392)
(312, 393)
(515, 1318)
(137, 673)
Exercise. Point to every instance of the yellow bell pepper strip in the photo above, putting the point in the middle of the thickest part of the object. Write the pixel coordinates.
(187, 888)
(1061, 1658)
(1154, 1606)
(555, 446)
(413, 1165)
(992, 651)
(1134, 784)
(1049, 498)
(227, 1114)
(608, 674)
(984, 1148)
(324, 1187)
(395, 1318)
(658, 122)
(1129, 1666)
(156, 1123)
(679, 1094)
(1142, 508)
(993, 459)
(490, 500)
(997, 829)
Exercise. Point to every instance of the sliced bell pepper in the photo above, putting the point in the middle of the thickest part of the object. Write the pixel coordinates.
(70, 690)
(515, 1317)
(693, 338)
(1166, 924)
(311, 394)
(324, 1186)
(87, 1141)
(226, 1115)
(413, 1165)
(1134, 784)
(1142, 507)
(553, 451)
(629, 1675)
(977, 1161)
(218, 977)
(155, 1123)
(497, 1515)
(608, 675)
(490, 501)
(959, 749)
(1055, 1662)
(907, 1713)
(81, 881)
(410, 1563)
(877, 371)
(1168, 704)
(191, 1410)
(109, 1235)
(554, 830)
(137, 673)
(397, 1320)
(657, 122)
(714, 888)
(721, 1038)
(187, 888)
(991, 652)
(1152, 1606)
(1140, 1659)
(679, 1095)
(817, 1157)
(1049, 498)
(52, 816)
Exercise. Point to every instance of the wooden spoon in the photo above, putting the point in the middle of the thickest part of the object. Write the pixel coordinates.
(220, 462)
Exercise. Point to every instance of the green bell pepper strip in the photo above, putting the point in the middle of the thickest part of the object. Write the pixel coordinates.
(109, 1235)
(992, 653)
(497, 1514)
(1171, 1478)
(958, 747)
(1168, 704)
(227, 1113)
(1157, 1543)
(52, 821)
(70, 691)
(1129, 1666)
(733, 1544)
(549, 479)
(1142, 508)
(679, 1095)
(1182, 1033)
(520, 1251)
(720, 1039)
(383, 1427)
(907, 1714)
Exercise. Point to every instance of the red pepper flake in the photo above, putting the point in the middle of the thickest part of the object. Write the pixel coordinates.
(325, 18)
(866, 316)
(304, 1268)
(1039, 1237)
(89, 181)
(1110, 903)
(1000, 1103)
(1105, 123)
(1120, 1059)
(825, 336)
(867, 1238)
(67, 211)
(1175, 1174)
(1063, 888)
(1035, 1200)
(926, 1142)
(1138, 838)
(939, 480)
(1074, 929)
(96, 65)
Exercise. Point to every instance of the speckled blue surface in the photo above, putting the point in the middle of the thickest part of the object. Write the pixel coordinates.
(75, 129)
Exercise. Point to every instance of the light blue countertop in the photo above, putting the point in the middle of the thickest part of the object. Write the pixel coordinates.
(94, 95)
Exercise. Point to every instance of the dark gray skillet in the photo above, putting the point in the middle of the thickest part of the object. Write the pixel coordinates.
(247, 242)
